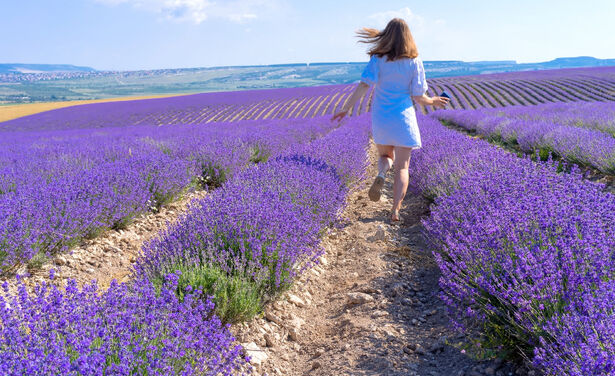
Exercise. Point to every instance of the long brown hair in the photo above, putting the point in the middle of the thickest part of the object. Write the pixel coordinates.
(395, 41)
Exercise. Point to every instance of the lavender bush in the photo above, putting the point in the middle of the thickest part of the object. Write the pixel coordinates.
(593, 115)
(585, 343)
(57, 187)
(570, 133)
(526, 253)
(121, 331)
(246, 241)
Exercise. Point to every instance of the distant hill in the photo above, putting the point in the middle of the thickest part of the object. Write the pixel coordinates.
(437, 68)
(461, 68)
(42, 68)
(69, 82)
(573, 62)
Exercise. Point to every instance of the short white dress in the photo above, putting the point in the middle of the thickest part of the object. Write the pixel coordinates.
(393, 116)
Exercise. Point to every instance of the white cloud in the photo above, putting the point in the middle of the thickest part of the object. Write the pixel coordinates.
(197, 11)
(239, 18)
(382, 18)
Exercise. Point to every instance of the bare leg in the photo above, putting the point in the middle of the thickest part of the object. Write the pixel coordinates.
(385, 162)
(400, 184)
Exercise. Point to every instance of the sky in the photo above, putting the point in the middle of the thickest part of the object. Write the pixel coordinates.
(152, 34)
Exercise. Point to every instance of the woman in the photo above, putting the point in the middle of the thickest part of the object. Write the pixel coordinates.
(399, 78)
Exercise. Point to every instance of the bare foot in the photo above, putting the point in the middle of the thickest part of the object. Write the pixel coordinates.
(395, 216)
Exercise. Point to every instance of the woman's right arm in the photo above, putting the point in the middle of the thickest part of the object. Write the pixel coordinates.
(359, 92)
(425, 100)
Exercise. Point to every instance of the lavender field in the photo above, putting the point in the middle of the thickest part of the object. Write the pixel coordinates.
(581, 132)
(469, 92)
(69, 175)
(526, 252)
(525, 247)
(528, 88)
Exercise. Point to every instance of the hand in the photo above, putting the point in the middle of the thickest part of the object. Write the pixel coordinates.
(440, 102)
(340, 115)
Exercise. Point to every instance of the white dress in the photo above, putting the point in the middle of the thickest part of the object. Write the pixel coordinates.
(393, 117)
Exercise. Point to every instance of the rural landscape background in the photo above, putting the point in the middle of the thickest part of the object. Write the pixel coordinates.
(28, 83)
(176, 200)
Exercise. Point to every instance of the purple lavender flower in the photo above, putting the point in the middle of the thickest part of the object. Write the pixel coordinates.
(59, 186)
(121, 331)
(263, 227)
(526, 253)
(581, 133)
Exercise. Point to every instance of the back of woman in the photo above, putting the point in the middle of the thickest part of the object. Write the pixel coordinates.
(397, 73)
(395, 81)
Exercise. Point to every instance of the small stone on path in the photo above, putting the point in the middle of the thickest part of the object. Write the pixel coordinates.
(380, 235)
(359, 298)
(273, 318)
(257, 356)
(296, 300)
(380, 313)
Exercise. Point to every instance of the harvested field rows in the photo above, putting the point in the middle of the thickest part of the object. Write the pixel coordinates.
(467, 92)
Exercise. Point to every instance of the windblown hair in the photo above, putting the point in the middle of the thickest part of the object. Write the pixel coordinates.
(394, 42)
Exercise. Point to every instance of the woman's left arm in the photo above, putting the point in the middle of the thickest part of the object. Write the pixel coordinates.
(425, 100)
(356, 95)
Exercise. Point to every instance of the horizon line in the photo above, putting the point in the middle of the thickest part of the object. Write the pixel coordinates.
(294, 64)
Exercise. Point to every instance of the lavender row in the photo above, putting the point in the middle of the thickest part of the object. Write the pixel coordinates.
(529, 88)
(526, 253)
(248, 240)
(60, 186)
(296, 103)
(580, 133)
(592, 115)
(136, 330)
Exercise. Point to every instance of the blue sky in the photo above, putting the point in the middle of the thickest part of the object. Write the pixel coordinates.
(147, 34)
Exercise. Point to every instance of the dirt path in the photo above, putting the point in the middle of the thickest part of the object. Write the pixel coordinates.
(372, 308)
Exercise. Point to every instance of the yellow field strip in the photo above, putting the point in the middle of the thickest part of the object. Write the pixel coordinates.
(15, 111)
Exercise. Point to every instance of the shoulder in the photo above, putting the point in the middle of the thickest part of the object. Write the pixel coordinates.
(416, 63)
(411, 63)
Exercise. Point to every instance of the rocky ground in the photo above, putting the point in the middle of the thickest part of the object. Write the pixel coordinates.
(370, 308)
